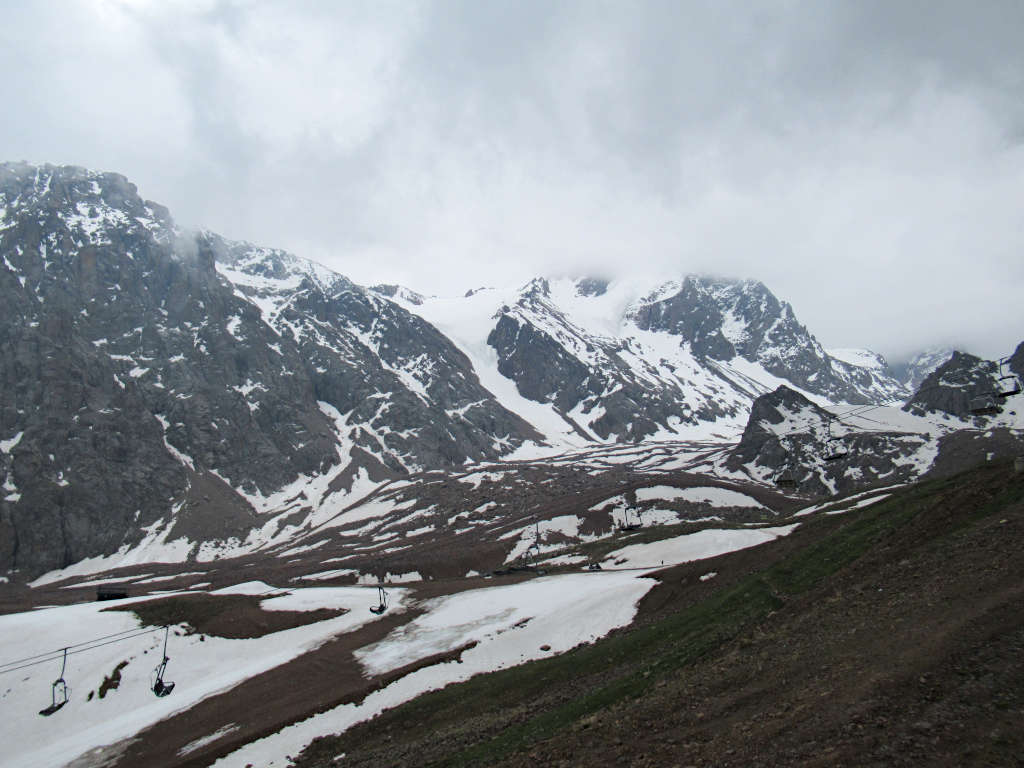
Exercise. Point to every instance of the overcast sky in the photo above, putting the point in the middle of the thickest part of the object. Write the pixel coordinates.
(863, 159)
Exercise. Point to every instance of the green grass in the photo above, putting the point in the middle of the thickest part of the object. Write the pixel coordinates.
(565, 689)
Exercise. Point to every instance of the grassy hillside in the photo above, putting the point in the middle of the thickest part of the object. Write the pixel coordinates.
(892, 634)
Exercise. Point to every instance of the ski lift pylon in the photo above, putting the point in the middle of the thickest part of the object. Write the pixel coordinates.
(58, 691)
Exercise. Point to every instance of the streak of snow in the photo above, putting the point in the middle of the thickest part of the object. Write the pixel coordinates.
(199, 669)
(718, 497)
(509, 624)
(701, 545)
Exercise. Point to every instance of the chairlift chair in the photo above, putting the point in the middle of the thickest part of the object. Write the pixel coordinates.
(630, 526)
(1008, 386)
(835, 450)
(785, 479)
(161, 688)
(984, 405)
(58, 692)
(383, 598)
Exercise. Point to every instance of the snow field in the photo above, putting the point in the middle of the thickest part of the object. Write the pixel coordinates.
(858, 505)
(718, 497)
(199, 669)
(710, 542)
(509, 623)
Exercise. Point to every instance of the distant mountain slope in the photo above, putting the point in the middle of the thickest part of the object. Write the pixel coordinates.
(888, 634)
(152, 402)
(724, 318)
(915, 370)
(592, 359)
(174, 395)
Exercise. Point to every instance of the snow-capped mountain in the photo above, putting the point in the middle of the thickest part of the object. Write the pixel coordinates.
(915, 370)
(173, 395)
(722, 319)
(152, 401)
(964, 382)
(588, 359)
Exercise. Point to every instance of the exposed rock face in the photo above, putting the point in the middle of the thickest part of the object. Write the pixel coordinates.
(144, 392)
(721, 319)
(671, 358)
(952, 386)
(86, 264)
(786, 432)
(605, 386)
(1015, 363)
(915, 370)
(412, 399)
(181, 395)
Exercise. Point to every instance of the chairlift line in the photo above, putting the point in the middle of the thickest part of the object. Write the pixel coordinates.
(140, 633)
(57, 651)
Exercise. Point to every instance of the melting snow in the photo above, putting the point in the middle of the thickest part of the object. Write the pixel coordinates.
(509, 623)
(710, 542)
(718, 497)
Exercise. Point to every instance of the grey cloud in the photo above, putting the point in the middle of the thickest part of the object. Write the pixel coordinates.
(862, 159)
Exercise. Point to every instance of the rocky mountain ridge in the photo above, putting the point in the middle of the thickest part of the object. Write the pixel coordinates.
(151, 400)
(178, 395)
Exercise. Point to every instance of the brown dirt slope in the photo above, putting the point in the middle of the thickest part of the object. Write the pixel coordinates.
(889, 635)
(233, 616)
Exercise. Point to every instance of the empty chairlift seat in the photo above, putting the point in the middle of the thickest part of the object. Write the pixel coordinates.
(1008, 386)
(984, 405)
(111, 593)
(58, 691)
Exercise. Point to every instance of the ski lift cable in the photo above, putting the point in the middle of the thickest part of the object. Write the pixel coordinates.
(56, 651)
(95, 642)
(58, 654)
(860, 411)
(855, 412)
(80, 650)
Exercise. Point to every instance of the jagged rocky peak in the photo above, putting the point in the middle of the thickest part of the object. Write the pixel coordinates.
(393, 291)
(281, 267)
(721, 319)
(89, 206)
(862, 358)
(537, 288)
(1016, 360)
(913, 371)
(781, 412)
(952, 386)
(209, 374)
(591, 286)
(688, 309)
